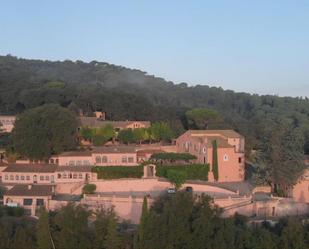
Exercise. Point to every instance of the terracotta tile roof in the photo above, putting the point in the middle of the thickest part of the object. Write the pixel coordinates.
(114, 149)
(30, 190)
(221, 142)
(226, 133)
(149, 151)
(74, 168)
(94, 122)
(76, 153)
(39, 168)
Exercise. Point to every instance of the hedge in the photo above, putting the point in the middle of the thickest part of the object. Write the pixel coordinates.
(173, 156)
(116, 172)
(193, 171)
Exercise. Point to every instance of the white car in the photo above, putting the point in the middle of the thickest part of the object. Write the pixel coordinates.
(171, 190)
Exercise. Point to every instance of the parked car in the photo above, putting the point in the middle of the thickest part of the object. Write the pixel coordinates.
(189, 189)
(171, 190)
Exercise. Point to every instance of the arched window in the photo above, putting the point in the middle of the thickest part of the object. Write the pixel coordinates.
(98, 159)
(22, 177)
(17, 177)
(47, 178)
(80, 176)
(204, 150)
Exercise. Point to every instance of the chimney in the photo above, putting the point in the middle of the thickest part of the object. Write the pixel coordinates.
(29, 187)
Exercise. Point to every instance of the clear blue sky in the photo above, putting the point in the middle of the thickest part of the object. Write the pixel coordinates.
(253, 46)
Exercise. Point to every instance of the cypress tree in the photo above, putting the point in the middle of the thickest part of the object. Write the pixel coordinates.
(112, 237)
(44, 238)
(215, 160)
(139, 241)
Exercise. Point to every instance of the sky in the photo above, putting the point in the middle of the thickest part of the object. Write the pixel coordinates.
(248, 46)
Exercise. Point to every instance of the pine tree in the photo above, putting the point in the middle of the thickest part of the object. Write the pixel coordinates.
(44, 238)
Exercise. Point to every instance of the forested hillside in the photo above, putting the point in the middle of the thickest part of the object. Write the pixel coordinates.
(132, 94)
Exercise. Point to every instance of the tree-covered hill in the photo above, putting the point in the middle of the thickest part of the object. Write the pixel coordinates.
(133, 94)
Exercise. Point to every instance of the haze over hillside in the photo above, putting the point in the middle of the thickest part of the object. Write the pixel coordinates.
(132, 94)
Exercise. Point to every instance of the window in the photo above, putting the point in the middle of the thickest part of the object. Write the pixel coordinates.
(11, 177)
(64, 175)
(78, 163)
(22, 178)
(47, 178)
(204, 150)
(239, 160)
(225, 157)
(71, 163)
(124, 159)
(40, 202)
(130, 159)
(28, 178)
(41, 178)
(52, 161)
(98, 159)
(17, 177)
(104, 159)
(86, 162)
(59, 176)
(6, 177)
(80, 176)
(74, 176)
(27, 202)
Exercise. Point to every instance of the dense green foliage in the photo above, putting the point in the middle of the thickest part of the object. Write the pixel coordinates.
(43, 131)
(178, 221)
(215, 166)
(172, 157)
(98, 136)
(182, 221)
(116, 172)
(89, 188)
(132, 94)
(176, 177)
(192, 171)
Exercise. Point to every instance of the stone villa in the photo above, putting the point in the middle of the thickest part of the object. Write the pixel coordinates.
(60, 180)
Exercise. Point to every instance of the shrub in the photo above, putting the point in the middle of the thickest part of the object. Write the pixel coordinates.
(89, 188)
(116, 172)
(193, 171)
(14, 211)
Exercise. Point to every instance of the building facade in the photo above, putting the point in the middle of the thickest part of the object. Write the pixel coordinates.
(230, 151)
(7, 123)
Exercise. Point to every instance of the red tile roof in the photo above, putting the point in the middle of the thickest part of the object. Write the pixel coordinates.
(39, 168)
(30, 190)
